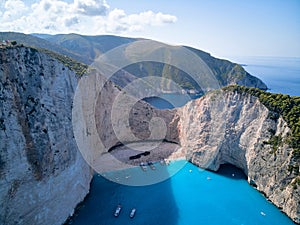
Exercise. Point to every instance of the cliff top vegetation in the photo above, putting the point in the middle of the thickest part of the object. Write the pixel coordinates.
(282, 104)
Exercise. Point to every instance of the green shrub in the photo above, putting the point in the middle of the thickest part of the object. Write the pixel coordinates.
(79, 68)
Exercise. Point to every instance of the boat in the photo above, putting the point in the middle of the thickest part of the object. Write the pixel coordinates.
(162, 162)
(132, 213)
(143, 166)
(118, 210)
(151, 165)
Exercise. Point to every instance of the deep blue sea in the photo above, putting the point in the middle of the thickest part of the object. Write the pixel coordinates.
(280, 74)
(194, 196)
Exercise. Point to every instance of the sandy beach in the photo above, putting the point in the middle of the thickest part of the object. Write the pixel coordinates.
(118, 157)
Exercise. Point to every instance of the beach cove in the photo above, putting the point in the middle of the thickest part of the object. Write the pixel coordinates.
(190, 197)
(197, 197)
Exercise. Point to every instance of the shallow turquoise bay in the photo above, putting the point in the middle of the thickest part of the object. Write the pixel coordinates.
(191, 197)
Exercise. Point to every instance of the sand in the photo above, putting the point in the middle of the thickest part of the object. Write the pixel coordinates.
(118, 157)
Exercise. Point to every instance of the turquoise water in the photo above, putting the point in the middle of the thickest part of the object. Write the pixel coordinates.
(190, 197)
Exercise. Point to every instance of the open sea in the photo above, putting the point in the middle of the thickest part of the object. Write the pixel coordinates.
(194, 196)
(280, 74)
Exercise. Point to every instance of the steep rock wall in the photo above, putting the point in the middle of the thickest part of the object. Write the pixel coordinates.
(42, 174)
(227, 127)
(105, 117)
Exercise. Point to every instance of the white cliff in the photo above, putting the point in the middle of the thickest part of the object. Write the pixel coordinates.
(42, 174)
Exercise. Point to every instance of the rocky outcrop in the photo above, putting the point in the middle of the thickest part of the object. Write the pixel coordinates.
(42, 174)
(227, 127)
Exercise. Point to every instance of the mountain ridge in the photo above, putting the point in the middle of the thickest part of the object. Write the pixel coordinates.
(86, 49)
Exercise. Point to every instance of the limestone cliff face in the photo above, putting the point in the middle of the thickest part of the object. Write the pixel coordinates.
(227, 127)
(105, 117)
(120, 118)
(42, 174)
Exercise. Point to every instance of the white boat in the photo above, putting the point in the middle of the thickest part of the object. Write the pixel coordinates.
(118, 210)
(151, 165)
(143, 166)
(162, 162)
(132, 213)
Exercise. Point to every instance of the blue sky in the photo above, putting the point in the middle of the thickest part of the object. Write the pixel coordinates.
(220, 27)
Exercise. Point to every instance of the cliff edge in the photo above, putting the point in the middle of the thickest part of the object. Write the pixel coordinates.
(42, 174)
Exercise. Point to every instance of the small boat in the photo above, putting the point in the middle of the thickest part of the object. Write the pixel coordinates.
(118, 210)
(151, 165)
(143, 166)
(162, 162)
(167, 162)
(132, 213)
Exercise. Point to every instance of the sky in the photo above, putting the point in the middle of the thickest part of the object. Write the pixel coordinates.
(220, 27)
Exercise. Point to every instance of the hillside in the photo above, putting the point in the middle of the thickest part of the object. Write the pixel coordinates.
(229, 73)
(90, 47)
(36, 42)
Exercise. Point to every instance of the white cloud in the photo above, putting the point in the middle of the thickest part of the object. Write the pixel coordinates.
(71, 21)
(79, 16)
(91, 7)
(151, 18)
(119, 21)
(13, 9)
